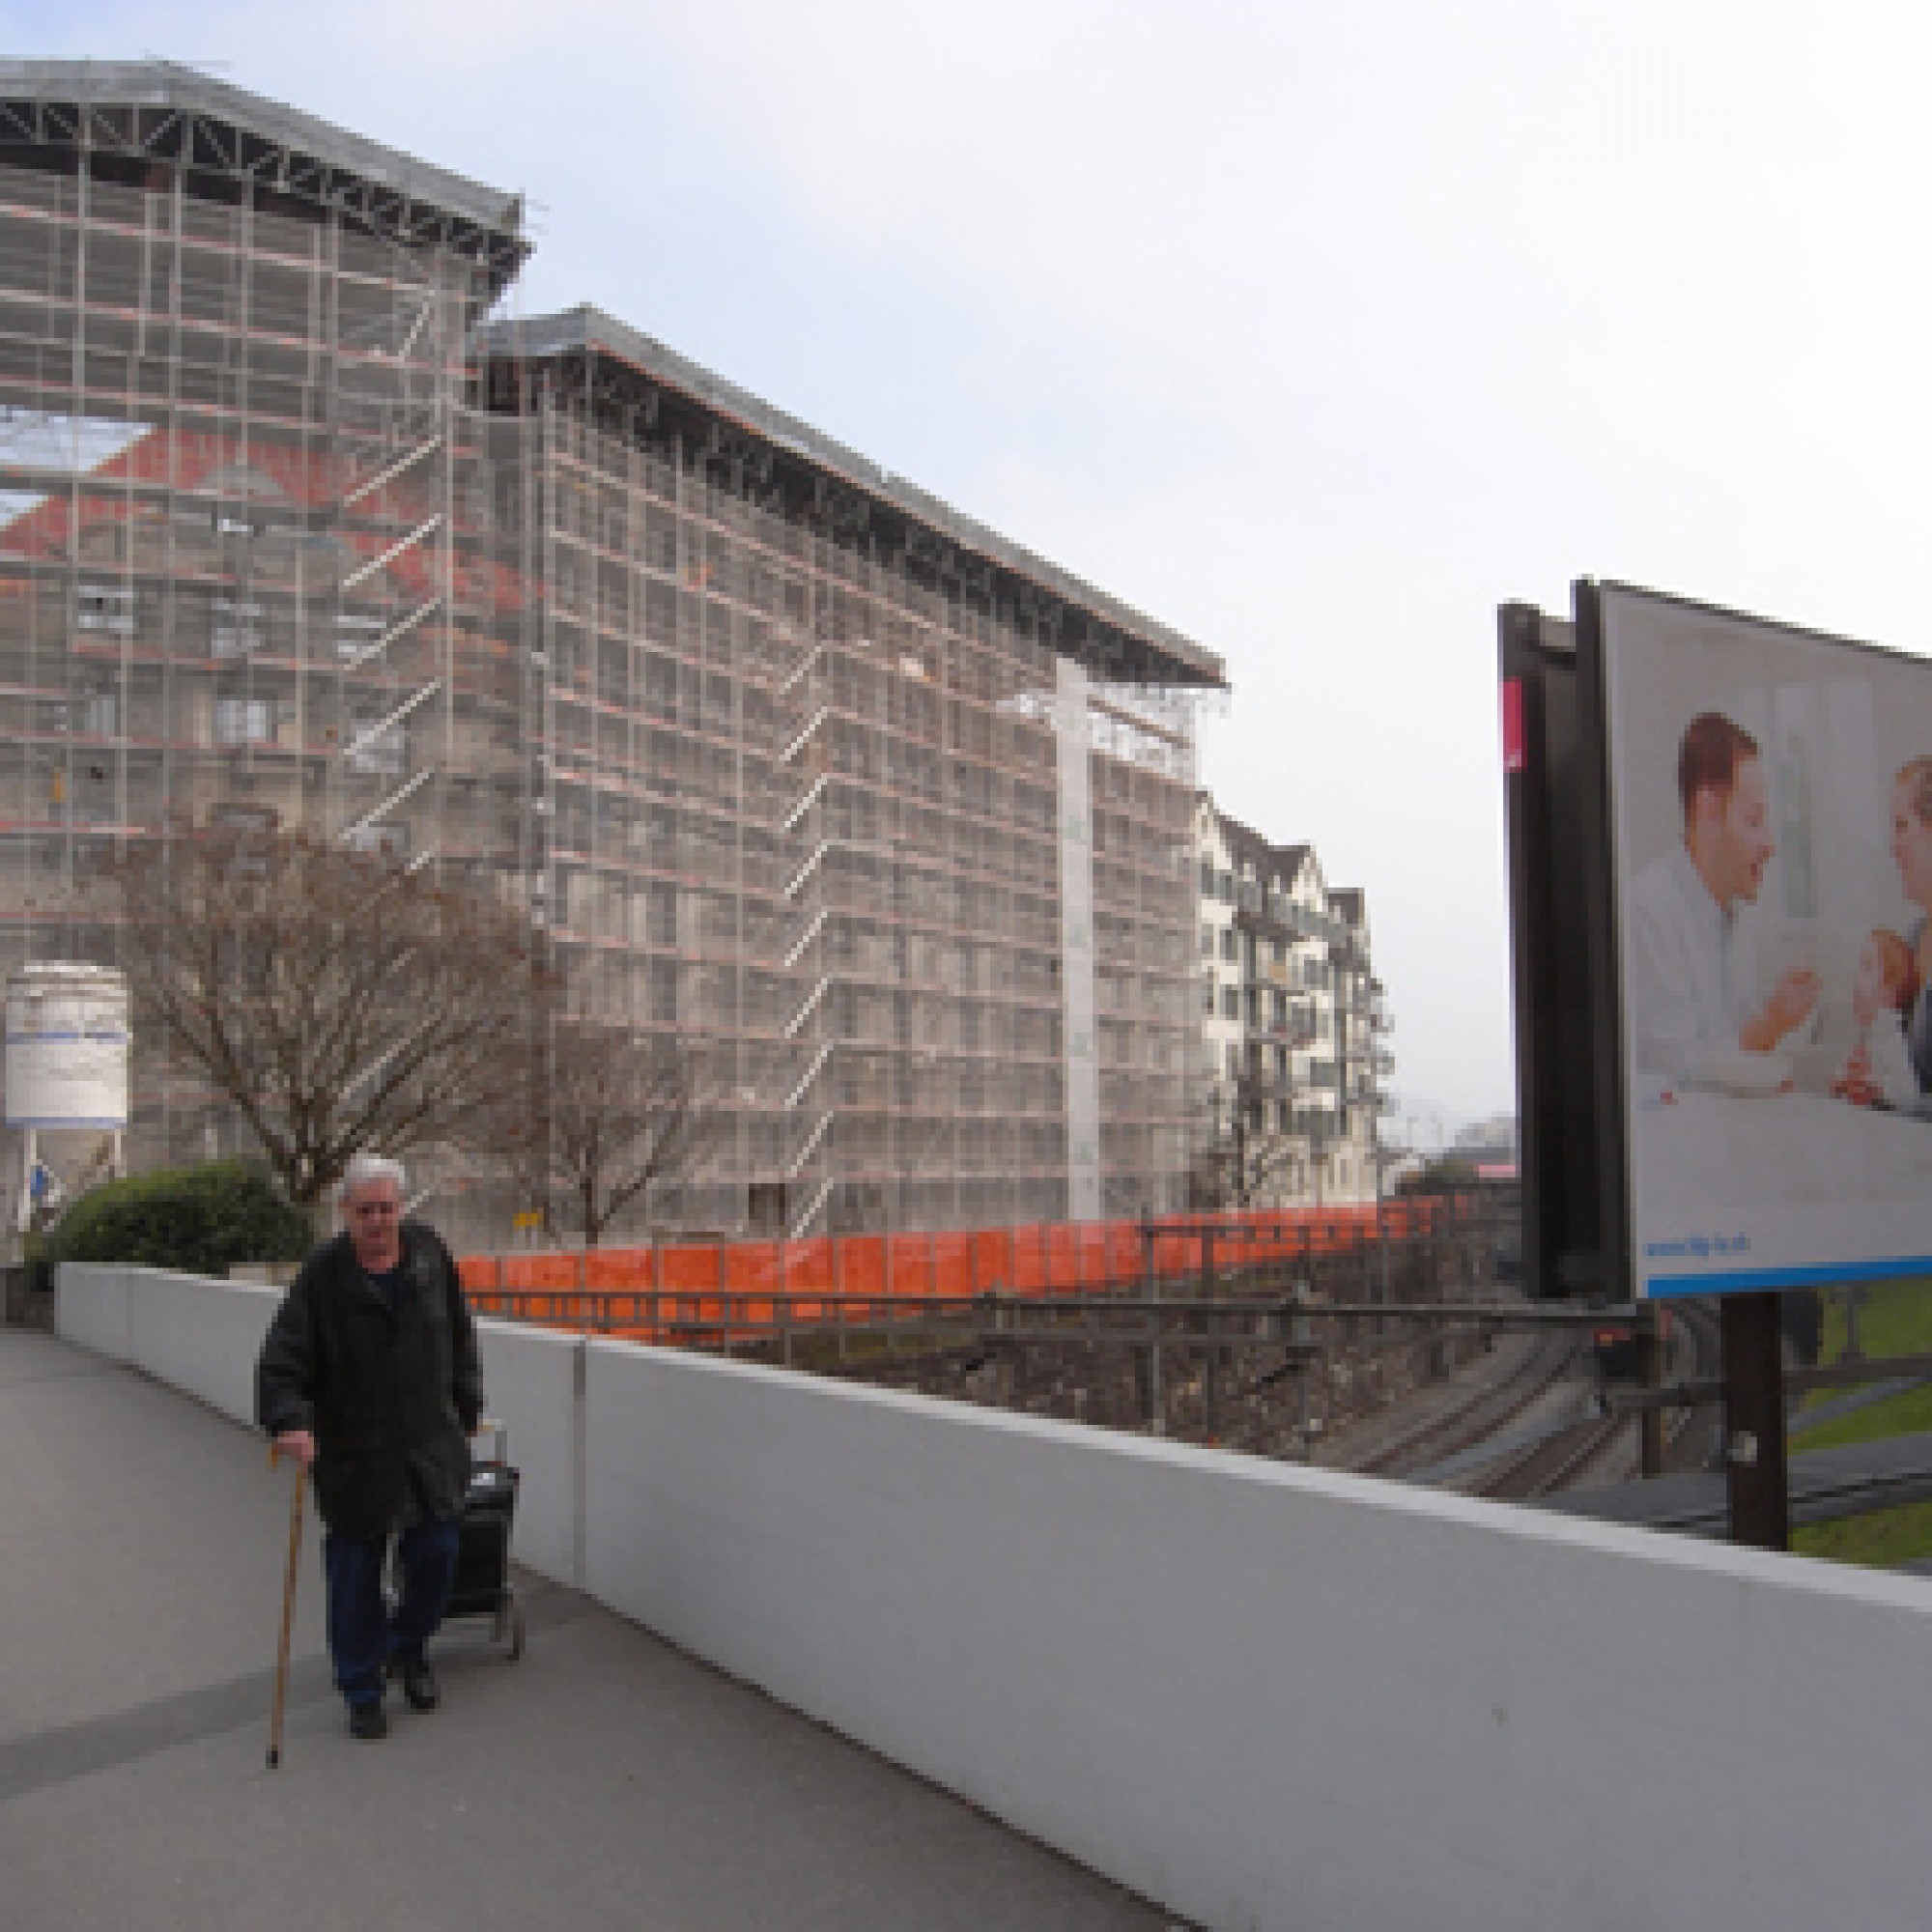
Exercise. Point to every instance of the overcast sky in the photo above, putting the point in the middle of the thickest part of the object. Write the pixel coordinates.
(1316, 331)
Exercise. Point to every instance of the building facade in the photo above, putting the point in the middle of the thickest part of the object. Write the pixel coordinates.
(884, 816)
(1295, 1026)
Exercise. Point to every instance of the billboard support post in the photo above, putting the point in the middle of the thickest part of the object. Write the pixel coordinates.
(1754, 1452)
(1650, 1353)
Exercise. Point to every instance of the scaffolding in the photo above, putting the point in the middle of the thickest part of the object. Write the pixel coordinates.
(885, 819)
(806, 812)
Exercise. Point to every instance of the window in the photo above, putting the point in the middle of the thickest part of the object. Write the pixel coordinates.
(1227, 942)
(1206, 941)
(384, 753)
(1224, 887)
(382, 842)
(244, 721)
(104, 607)
(1233, 1061)
(1231, 1003)
(1206, 878)
(1208, 998)
(235, 627)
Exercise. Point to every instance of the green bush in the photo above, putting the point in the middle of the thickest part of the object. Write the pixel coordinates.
(1447, 1174)
(196, 1221)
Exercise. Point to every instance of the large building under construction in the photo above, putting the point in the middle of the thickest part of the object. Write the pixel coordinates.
(299, 522)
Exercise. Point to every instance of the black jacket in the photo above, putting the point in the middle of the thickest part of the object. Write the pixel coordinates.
(389, 1395)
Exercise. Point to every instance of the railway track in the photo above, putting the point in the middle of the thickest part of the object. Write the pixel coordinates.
(1554, 1462)
(1608, 1446)
(1685, 1433)
(1491, 1411)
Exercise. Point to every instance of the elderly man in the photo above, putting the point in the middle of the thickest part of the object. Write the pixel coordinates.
(369, 1373)
(1693, 994)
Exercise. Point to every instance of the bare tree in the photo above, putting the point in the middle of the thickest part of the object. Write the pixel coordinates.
(611, 1111)
(1240, 1160)
(335, 1002)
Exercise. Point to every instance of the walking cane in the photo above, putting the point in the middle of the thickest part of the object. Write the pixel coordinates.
(288, 1613)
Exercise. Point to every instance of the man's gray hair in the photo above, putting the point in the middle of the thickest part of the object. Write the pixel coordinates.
(364, 1168)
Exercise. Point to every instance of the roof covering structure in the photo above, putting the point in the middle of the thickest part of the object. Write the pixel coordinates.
(159, 111)
(1279, 863)
(795, 467)
(230, 142)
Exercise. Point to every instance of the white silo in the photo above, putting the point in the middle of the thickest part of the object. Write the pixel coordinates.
(67, 1073)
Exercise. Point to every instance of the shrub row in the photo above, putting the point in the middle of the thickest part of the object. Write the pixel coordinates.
(195, 1220)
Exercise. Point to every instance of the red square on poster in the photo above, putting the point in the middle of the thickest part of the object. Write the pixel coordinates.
(1513, 724)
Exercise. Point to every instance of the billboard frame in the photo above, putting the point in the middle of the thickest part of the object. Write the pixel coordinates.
(1569, 1076)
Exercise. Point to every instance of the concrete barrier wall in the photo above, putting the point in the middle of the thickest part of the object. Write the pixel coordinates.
(1263, 1695)
(1271, 1696)
(530, 1383)
(201, 1336)
(91, 1309)
(196, 1335)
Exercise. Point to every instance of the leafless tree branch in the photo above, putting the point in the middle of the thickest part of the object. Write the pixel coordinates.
(610, 1112)
(337, 1003)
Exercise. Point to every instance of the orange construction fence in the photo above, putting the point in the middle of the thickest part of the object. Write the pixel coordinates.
(667, 1289)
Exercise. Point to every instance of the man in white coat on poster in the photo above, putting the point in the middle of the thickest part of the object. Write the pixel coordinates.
(1693, 996)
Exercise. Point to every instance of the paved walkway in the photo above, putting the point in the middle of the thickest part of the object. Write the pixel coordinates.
(605, 1781)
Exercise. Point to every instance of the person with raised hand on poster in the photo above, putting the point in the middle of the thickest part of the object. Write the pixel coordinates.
(1694, 998)
(1884, 990)
(1864, 1079)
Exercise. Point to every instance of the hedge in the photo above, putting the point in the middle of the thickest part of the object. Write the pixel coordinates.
(195, 1220)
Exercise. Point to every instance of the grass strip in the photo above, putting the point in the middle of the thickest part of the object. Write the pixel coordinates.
(1882, 1540)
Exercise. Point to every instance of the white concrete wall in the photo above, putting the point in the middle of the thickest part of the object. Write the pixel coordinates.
(1270, 1696)
(1262, 1695)
(529, 1384)
(91, 1309)
(201, 1336)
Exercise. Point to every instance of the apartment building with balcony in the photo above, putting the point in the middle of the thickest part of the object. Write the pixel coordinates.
(1294, 1025)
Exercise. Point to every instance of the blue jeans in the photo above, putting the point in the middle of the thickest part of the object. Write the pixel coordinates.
(362, 1636)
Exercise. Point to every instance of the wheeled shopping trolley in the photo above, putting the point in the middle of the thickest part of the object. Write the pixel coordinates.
(483, 1587)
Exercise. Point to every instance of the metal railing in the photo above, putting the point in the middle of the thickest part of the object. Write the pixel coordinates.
(733, 1294)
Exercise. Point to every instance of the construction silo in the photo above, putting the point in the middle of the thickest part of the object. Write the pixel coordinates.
(67, 1079)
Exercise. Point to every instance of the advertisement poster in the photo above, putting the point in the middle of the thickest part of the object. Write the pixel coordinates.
(1770, 858)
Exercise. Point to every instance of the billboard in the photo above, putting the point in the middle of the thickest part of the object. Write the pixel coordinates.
(1766, 799)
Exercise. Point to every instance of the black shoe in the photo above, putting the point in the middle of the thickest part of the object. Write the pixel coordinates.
(419, 1685)
(368, 1720)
